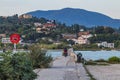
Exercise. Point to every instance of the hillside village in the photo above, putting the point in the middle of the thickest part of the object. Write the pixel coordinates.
(38, 30)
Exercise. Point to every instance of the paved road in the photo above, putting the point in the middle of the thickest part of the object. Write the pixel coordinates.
(64, 68)
(108, 72)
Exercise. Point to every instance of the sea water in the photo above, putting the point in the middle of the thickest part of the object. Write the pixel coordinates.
(88, 55)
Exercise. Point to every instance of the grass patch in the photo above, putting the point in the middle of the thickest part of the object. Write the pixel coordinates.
(97, 62)
(90, 63)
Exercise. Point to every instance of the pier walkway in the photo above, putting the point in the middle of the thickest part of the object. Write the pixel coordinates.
(63, 68)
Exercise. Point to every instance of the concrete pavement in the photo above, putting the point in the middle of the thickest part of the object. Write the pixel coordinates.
(102, 72)
(63, 68)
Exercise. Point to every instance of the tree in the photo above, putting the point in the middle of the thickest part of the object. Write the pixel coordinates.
(104, 30)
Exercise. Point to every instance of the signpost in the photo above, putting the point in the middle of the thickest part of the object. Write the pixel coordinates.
(15, 38)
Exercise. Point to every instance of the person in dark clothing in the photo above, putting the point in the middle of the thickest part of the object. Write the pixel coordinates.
(79, 57)
(65, 53)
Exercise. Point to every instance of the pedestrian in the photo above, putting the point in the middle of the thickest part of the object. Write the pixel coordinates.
(65, 53)
(79, 57)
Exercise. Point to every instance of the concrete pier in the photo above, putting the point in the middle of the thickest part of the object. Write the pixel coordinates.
(63, 68)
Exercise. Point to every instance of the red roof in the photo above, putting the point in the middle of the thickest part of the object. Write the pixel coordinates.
(49, 25)
(83, 33)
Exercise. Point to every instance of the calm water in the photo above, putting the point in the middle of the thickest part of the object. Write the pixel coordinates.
(94, 55)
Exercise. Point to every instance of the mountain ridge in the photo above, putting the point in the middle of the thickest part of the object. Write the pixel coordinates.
(77, 16)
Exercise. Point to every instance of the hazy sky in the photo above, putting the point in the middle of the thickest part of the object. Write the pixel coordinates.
(107, 7)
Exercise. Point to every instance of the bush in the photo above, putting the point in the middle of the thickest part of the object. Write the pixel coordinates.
(39, 57)
(114, 59)
(16, 67)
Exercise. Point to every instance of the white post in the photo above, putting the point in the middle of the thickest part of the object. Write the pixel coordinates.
(14, 50)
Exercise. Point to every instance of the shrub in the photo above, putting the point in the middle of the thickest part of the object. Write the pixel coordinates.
(16, 67)
(114, 59)
(39, 57)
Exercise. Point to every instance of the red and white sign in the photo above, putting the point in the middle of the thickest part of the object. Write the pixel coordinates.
(15, 38)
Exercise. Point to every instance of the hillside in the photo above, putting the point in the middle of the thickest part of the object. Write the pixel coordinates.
(77, 16)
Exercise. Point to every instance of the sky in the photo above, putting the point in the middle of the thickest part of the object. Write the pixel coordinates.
(108, 7)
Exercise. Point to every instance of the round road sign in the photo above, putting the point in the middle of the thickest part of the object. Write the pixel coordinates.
(15, 38)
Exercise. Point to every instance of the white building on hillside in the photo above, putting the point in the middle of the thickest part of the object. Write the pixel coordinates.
(105, 44)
